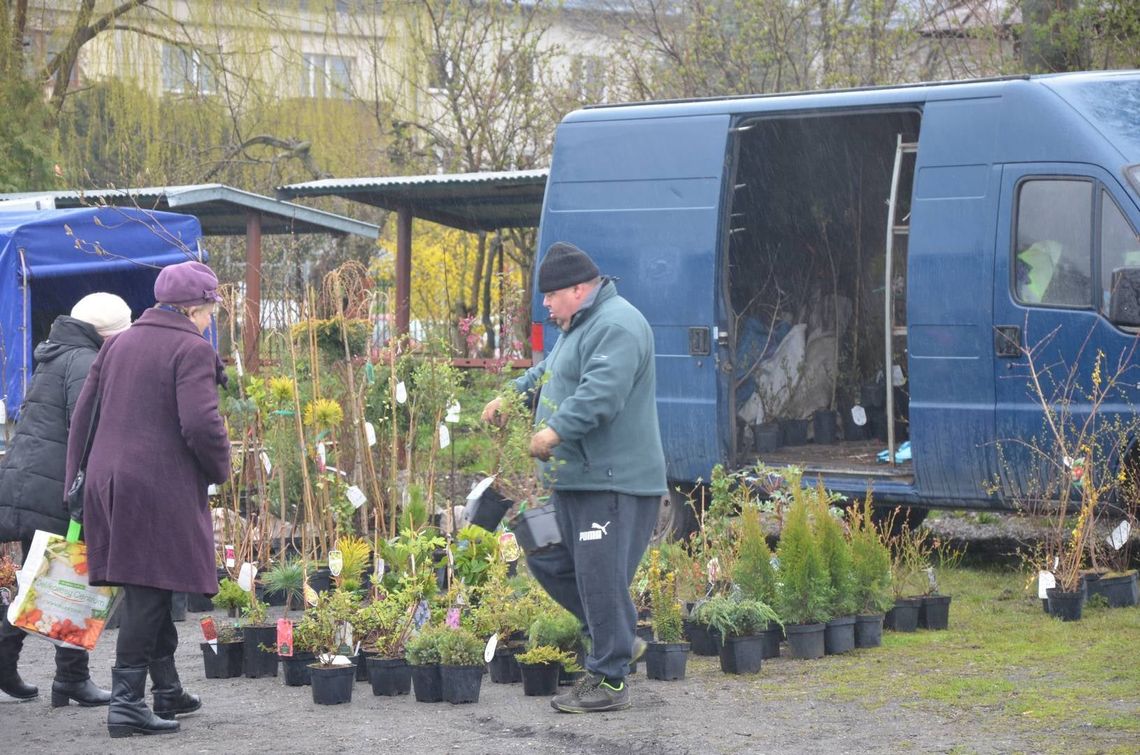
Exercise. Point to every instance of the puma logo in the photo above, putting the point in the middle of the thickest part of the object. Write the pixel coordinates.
(596, 532)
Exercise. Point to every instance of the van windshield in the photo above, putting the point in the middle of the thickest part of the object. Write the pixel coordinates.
(1113, 105)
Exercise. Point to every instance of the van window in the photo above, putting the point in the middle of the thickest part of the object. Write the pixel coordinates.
(1119, 245)
(1053, 253)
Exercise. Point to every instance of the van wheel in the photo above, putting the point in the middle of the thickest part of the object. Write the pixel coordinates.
(676, 519)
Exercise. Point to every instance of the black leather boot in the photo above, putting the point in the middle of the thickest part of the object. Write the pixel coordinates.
(128, 714)
(11, 641)
(170, 699)
(73, 681)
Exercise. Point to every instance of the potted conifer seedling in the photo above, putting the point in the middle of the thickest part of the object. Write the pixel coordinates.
(422, 652)
(540, 667)
(871, 562)
(804, 592)
(668, 653)
(461, 665)
(839, 631)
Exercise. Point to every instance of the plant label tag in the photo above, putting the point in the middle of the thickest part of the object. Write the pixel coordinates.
(310, 594)
(231, 561)
(452, 619)
(897, 376)
(422, 614)
(452, 413)
(370, 434)
(266, 463)
(401, 393)
(211, 489)
(713, 568)
(509, 547)
(246, 575)
(336, 562)
(489, 651)
(444, 436)
(858, 415)
(355, 496)
(3, 412)
(285, 638)
(1120, 535)
(380, 566)
(209, 629)
(322, 456)
(1045, 580)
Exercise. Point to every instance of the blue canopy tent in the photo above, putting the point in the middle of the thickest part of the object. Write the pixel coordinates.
(49, 259)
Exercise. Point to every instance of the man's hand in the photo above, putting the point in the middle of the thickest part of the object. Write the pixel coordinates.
(491, 412)
(543, 442)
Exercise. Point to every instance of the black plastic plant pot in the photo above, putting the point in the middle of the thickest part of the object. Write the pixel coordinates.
(767, 437)
(539, 679)
(741, 655)
(839, 635)
(1066, 606)
(390, 677)
(1120, 591)
(824, 427)
(321, 580)
(487, 510)
(795, 431)
(934, 612)
(903, 617)
(770, 639)
(258, 661)
(805, 641)
(427, 683)
(461, 684)
(359, 662)
(700, 639)
(665, 661)
(536, 529)
(869, 630)
(196, 602)
(504, 668)
(226, 663)
(295, 669)
(332, 685)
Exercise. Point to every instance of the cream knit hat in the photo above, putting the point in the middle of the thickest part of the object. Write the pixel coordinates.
(107, 312)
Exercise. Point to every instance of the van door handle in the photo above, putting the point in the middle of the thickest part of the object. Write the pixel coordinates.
(1007, 341)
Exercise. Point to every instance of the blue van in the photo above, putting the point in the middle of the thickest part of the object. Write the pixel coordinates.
(864, 282)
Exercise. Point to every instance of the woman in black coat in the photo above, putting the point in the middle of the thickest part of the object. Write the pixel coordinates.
(31, 474)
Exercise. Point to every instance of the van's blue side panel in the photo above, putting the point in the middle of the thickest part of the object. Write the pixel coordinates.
(949, 297)
(642, 197)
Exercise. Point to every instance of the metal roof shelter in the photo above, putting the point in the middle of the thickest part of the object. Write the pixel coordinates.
(473, 202)
(222, 211)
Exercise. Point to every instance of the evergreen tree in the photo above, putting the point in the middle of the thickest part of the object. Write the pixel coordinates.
(804, 593)
(836, 554)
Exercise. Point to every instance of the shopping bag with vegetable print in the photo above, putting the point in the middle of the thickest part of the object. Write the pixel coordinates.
(55, 602)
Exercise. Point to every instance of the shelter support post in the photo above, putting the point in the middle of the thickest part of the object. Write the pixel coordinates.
(403, 269)
(251, 316)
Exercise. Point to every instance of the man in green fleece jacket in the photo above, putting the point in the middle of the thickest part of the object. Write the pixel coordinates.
(599, 450)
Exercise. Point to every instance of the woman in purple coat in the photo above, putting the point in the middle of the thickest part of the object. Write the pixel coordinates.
(159, 443)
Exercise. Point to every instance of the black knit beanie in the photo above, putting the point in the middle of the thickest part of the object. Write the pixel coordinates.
(564, 266)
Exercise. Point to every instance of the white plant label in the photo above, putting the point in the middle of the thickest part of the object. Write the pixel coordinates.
(370, 433)
(401, 393)
(246, 576)
(1045, 580)
(3, 412)
(266, 463)
(211, 489)
(444, 436)
(489, 651)
(452, 413)
(237, 364)
(380, 567)
(336, 562)
(897, 377)
(231, 561)
(858, 415)
(1119, 536)
(355, 496)
(322, 454)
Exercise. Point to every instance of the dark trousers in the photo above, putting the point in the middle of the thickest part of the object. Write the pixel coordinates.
(70, 664)
(604, 536)
(146, 629)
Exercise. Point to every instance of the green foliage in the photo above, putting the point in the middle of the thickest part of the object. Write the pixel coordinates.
(543, 654)
(385, 625)
(474, 550)
(665, 615)
(231, 596)
(256, 613)
(734, 617)
(804, 592)
(837, 560)
(423, 649)
(286, 577)
(752, 569)
(324, 626)
(556, 627)
(507, 606)
(459, 647)
(355, 558)
(870, 561)
(410, 559)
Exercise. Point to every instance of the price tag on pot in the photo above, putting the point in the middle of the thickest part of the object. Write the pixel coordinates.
(370, 433)
(1045, 581)
(355, 496)
(509, 547)
(209, 629)
(285, 638)
(1120, 535)
(336, 562)
(444, 436)
(401, 393)
(858, 415)
(489, 651)
(231, 561)
(246, 575)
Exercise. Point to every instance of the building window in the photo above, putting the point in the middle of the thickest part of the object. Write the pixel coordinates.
(1053, 253)
(327, 76)
(187, 70)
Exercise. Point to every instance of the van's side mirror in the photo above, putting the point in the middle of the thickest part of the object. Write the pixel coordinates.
(1124, 306)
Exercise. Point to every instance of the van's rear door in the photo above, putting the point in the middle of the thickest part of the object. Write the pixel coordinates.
(642, 196)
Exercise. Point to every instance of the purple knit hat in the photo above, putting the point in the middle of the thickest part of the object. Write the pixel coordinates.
(186, 284)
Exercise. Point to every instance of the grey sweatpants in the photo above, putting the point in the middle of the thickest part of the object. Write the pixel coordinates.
(604, 536)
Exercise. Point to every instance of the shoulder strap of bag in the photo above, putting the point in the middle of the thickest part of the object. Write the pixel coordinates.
(91, 428)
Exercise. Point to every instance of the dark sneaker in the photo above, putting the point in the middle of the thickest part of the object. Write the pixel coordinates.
(592, 694)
